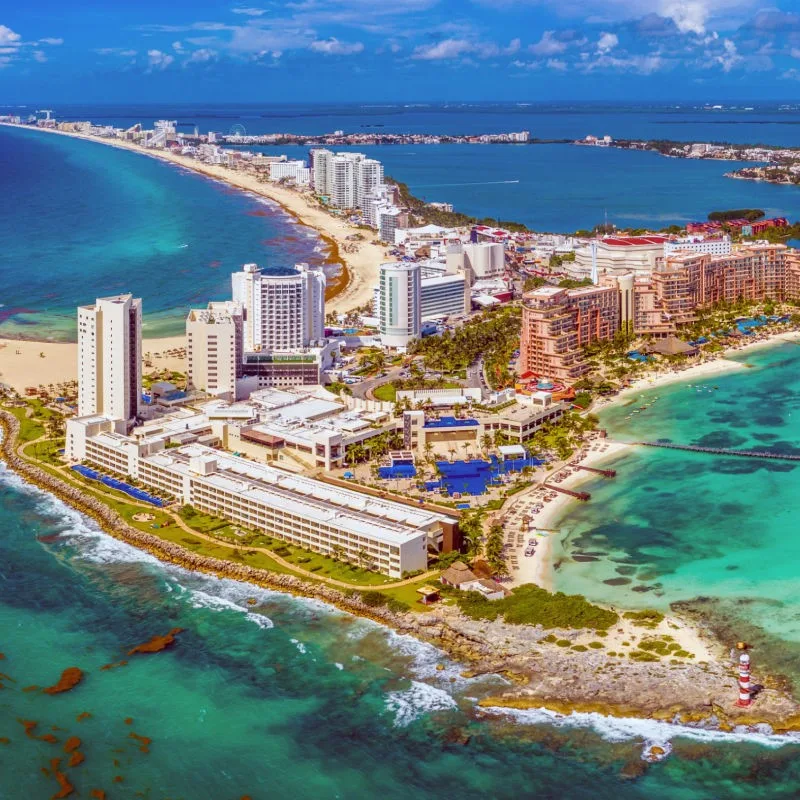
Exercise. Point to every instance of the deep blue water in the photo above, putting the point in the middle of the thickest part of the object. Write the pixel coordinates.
(80, 220)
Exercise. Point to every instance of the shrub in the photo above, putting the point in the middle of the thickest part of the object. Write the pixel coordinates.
(645, 619)
(373, 599)
(596, 645)
(531, 605)
(397, 606)
(580, 648)
(563, 643)
(643, 655)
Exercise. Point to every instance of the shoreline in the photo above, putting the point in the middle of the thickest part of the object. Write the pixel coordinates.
(359, 266)
(574, 679)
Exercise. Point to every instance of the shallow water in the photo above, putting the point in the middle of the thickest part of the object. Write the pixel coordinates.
(716, 532)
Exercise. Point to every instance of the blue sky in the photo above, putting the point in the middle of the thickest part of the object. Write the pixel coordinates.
(338, 50)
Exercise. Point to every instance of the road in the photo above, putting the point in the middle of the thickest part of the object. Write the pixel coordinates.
(361, 390)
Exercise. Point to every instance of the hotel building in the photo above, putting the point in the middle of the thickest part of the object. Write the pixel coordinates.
(215, 348)
(399, 311)
(557, 324)
(110, 357)
(383, 535)
(281, 312)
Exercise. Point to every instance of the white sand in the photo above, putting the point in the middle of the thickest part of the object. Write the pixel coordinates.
(538, 568)
(362, 263)
(706, 369)
(25, 363)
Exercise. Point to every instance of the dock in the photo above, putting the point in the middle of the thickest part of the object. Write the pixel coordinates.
(723, 451)
(606, 473)
(584, 496)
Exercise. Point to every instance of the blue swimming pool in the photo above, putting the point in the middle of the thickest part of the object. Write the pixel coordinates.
(121, 486)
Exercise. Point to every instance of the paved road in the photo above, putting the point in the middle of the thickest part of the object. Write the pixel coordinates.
(475, 379)
(364, 388)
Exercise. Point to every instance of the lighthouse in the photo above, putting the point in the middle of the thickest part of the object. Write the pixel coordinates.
(744, 681)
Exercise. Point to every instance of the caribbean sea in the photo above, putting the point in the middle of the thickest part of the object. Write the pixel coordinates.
(80, 220)
(716, 534)
(287, 697)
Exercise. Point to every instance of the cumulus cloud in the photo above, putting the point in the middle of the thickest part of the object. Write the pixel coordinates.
(333, 47)
(157, 61)
(178, 47)
(607, 42)
(249, 11)
(38, 55)
(548, 45)
(559, 65)
(51, 40)
(9, 38)
(202, 56)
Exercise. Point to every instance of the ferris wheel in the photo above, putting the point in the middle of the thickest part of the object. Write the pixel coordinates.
(237, 130)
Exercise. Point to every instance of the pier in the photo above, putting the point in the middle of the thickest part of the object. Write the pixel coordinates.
(606, 473)
(723, 451)
(577, 495)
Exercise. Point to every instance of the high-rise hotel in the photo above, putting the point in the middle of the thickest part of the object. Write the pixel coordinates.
(110, 357)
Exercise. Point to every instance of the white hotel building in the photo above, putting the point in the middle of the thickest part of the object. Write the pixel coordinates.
(391, 537)
(110, 357)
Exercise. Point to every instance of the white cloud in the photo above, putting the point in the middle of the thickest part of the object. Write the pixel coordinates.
(729, 57)
(557, 64)
(527, 65)
(333, 47)
(607, 42)
(178, 47)
(38, 55)
(249, 11)
(791, 75)
(50, 40)
(8, 37)
(795, 52)
(156, 60)
(202, 56)
(447, 48)
(457, 48)
(548, 45)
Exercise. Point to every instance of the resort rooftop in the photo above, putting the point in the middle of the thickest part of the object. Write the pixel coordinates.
(387, 521)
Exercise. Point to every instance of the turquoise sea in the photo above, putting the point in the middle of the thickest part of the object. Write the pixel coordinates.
(80, 220)
(287, 697)
(718, 534)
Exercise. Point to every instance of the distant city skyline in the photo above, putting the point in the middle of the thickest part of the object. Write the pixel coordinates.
(425, 50)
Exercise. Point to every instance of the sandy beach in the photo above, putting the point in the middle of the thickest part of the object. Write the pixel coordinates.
(707, 369)
(360, 259)
(26, 363)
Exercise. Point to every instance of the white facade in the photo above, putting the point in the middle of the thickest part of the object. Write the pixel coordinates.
(485, 259)
(692, 244)
(369, 176)
(281, 312)
(296, 171)
(388, 219)
(444, 296)
(400, 308)
(110, 357)
(214, 347)
(389, 537)
(320, 169)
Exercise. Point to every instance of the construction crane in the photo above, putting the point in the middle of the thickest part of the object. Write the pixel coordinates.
(47, 111)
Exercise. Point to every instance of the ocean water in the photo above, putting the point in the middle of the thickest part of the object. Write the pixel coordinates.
(288, 697)
(715, 534)
(562, 188)
(80, 220)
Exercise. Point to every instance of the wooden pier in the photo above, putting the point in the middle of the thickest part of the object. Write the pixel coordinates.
(722, 451)
(577, 495)
(606, 473)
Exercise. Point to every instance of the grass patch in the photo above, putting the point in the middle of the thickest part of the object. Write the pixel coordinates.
(532, 605)
(643, 655)
(386, 392)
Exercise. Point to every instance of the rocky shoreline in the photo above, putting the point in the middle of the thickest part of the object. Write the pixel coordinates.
(542, 674)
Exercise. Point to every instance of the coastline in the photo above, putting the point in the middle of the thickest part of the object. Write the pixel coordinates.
(358, 263)
(573, 680)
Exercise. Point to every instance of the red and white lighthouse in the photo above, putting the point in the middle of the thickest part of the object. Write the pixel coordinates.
(744, 681)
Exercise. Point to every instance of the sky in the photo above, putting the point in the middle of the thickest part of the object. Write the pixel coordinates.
(73, 51)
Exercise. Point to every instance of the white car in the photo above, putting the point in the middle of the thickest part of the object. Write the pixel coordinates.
(529, 551)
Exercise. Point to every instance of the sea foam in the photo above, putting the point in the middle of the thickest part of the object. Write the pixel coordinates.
(420, 698)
